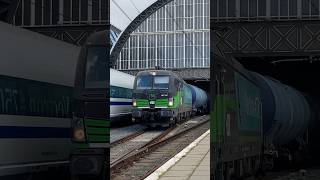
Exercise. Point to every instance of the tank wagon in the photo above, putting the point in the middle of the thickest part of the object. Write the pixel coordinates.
(162, 98)
(285, 112)
(199, 99)
(255, 121)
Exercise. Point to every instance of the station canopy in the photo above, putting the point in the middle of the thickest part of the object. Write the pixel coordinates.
(122, 12)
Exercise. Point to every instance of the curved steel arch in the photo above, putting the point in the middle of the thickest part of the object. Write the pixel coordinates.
(124, 36)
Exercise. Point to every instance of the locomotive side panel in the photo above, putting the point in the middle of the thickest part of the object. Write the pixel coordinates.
(236, 117)
(235, 120)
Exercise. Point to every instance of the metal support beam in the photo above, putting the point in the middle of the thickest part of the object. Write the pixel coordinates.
(7, 9)
(268, 38)
(74, 34)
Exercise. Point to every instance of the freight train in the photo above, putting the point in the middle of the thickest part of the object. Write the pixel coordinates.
(255, 121)
(162, 98)
(36, 83)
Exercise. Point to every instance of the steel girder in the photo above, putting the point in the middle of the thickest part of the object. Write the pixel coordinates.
(7, 9)
(74, 34)
(267, 38)
(124, 36)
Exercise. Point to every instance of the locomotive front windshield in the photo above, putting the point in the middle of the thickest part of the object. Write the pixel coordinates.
(96, 68)
(152, 82)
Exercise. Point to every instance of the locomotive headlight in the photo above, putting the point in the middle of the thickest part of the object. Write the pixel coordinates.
(79, 135)
(78, 129)
(134, 103)
(170, 103)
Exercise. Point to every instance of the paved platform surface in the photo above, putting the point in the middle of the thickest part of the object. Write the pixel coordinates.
(195, 165)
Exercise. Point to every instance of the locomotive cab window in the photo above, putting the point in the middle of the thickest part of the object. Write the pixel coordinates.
(161, 82)
(96, 68)
(144, 82)
(152, 82)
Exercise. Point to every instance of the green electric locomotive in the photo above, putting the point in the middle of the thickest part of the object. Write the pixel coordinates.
(160, 98)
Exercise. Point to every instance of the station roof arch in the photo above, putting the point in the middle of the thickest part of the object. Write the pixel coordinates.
(133, 25)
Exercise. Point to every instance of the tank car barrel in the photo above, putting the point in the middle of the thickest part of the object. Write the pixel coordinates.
(286, 112)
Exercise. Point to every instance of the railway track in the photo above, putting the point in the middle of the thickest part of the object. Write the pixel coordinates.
(127, 138)
(120, 149)
(140, 163)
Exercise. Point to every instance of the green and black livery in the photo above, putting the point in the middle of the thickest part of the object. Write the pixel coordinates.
(235, 120)
(160, 98)
(90, 124)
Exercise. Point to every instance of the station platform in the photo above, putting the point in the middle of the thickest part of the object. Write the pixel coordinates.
(192, 163)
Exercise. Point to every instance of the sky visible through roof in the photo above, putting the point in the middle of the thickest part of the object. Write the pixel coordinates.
(122, 12)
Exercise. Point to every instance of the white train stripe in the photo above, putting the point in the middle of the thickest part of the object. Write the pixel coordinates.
(25, 168)
(34, 121)
(120, 99)
(27, 151)
(119, 114)
(99, 145)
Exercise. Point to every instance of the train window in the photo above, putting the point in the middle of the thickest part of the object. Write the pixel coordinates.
(120, 92)
(161, 82)
(96, 69)
(144, 82)
(152, 82)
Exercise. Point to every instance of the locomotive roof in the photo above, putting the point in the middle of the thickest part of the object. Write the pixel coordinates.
(159, 72)
(235, 65)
